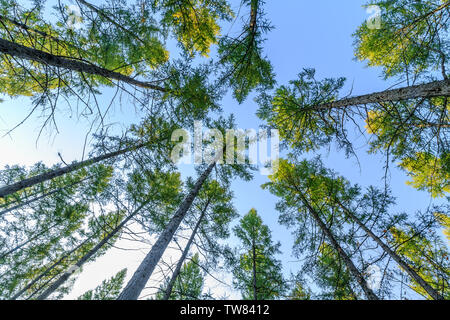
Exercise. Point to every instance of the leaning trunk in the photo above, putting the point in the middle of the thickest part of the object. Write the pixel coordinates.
(177, 271)
(348, 262)
(145, 270)
(428, 90)
(19, 51)
(413, 274)
(27, 183)
(88, 255)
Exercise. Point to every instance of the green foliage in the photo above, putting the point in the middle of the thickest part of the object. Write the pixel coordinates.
(108, 289)
(427, 254)
(292, 111)
(256, 269)
(194, 23)
(247, 67)
(189, 284)
(412, 38)
(333, 276)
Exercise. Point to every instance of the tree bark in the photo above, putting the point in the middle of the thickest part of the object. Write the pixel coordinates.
(348, 262)
(177, 271)
(145, 270)
(89, 254)
(19, 51)
(46, 271)
(413, 274)
(18, 206)
(255, 291)
(428, 90)
(26, 183)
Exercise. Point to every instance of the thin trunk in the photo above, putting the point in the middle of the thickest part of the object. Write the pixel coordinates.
(46, 271)
(348, 262)
(28, 241)
(177, 271)
(27, 183)
(255, 291)
(19, 51)
(89, 254)
(145, 270)
(413, 274)
(18, 206)
(428, 90)
(111, 20)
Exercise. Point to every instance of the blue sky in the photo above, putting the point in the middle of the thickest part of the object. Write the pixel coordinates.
(307, 34)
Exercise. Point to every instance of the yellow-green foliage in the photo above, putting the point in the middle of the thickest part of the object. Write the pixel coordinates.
(428, 173)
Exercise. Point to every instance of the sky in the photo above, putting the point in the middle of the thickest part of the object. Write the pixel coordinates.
(307, 34)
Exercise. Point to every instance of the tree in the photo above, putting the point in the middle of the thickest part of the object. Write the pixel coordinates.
(410, 41)
(107, 290)
(163, 186)
(40, 233)
(215, 213)
(333, 275)
(188, 285)
(257, 273)
(296, 193)
(137, 283)
(427, 254)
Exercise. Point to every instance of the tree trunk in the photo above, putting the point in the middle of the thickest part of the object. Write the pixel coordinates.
(18, 206)
(89, 254)
(26, 183)
(255, 291)
(177, 271)
(19, 51)
(28, 241)
(46, 271)
(428, 90)
(348, 262)
(111, 20)
(145, 270)
(413, 274)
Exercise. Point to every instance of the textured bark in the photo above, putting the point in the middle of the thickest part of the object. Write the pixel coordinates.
(53, 287)
(413, 274)
(26, 183)
(348, 262)
(428, 90)
(19, 51)
(177, 271)
(148, 265)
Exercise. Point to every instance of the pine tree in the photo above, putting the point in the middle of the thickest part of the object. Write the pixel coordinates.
(257, 272)
(107, 290)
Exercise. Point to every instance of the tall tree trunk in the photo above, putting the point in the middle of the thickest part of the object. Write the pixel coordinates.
(348, 262)
(20, 51)
(28, 241)
(428, 90)
(255, 291)
(177, 271)
(46, 271)
(145, 270)
(26, 183)
(20, 205)
(413, 274)
(53, 287)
